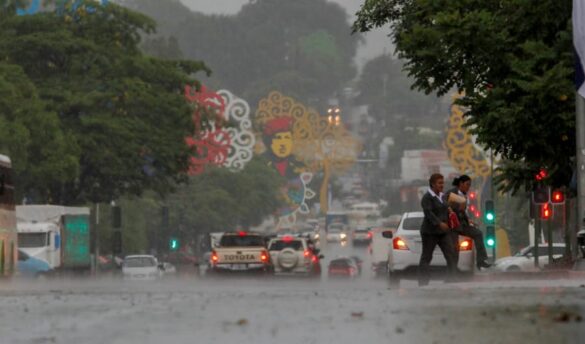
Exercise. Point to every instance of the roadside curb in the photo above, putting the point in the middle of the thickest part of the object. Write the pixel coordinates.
(522, 276)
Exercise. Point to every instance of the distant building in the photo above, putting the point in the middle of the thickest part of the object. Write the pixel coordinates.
(418, 165)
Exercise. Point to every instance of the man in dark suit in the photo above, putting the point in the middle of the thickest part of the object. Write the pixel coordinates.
(435, 230)
(462, 186)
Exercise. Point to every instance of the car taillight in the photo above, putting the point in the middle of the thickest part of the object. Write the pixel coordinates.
(370, 235)
(465, 245)
(264, 257)
(214, 257)
(307, 253)
(399, 244)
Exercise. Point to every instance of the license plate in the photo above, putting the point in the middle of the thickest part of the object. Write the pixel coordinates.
(239, 266)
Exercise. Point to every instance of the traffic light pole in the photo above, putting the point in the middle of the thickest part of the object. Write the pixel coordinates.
(580, 138)
(549, 227)
(537, 226)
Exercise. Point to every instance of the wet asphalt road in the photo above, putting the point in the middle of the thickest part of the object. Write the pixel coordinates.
(285, 310)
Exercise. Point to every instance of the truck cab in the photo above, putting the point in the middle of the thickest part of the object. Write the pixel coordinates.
(41, 240)
(57, 234)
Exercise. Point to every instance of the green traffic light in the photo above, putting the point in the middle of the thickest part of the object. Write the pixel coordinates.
(490, 217)
(174, 244)
(491, 242)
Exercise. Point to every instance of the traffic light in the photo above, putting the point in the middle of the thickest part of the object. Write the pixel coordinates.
(117, 242)
(490, 236)
(546, 211)
(541, 175)
(116, 216)
(541, 195)
(490, 214)
(557, 197)
(473, 205)
(173, 244)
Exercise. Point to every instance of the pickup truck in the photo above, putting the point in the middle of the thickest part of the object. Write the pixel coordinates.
(240, 252)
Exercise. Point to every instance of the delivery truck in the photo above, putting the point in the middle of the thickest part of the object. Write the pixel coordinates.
(57, 234)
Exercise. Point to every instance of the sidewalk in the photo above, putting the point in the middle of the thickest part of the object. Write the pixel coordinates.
(494, 276)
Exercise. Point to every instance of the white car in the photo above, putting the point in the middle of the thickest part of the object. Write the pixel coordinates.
(141, 267)
(335, 233)
(524, 260)
(293, 256)
(405, 250)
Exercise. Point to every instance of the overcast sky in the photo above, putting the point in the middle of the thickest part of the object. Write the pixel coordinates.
(376, 43)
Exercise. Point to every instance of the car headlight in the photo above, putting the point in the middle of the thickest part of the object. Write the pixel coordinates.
(316, 236)
(343, 235)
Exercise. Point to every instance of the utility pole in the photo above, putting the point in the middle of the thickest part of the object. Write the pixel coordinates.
(580, 138)
(493, 196)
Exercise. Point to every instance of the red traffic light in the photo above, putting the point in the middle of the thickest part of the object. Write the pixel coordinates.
(545, 211)
(542, 174)
(472, 195)
(558, 197)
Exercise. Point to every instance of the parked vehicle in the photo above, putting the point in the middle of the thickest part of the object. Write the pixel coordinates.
(32, 267)
(59, 235)
(524, 260)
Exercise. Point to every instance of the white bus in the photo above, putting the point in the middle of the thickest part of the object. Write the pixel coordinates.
(8, 234)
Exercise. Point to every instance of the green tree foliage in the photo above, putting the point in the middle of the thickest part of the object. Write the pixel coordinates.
(216, 201)
(302, 47)
(221, 200)
(161, 47)
(41, 151)
(513, 60)
(122, 114)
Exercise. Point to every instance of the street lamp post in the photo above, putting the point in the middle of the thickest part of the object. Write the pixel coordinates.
(333, 119)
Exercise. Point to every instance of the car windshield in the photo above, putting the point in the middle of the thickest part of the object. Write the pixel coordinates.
(32, 240)
(139, 262)
(241, 241)
(412, 223)
(280, 245)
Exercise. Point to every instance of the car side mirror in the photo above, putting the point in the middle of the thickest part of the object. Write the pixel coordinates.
(161, 266)
(321, 256)
(388, 234)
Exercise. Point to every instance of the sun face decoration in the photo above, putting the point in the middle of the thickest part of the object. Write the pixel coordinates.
(465, 156)
(299, 142)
